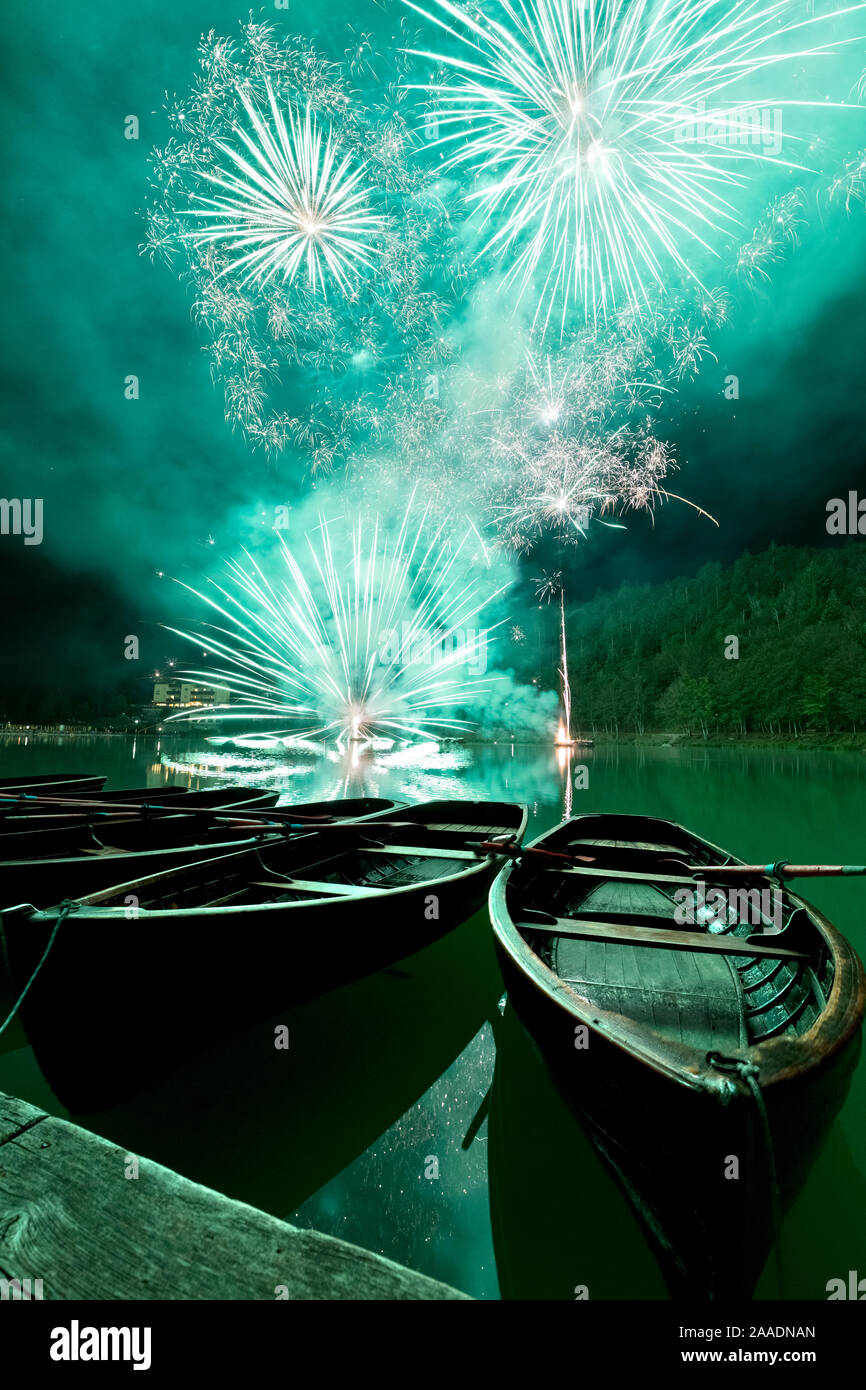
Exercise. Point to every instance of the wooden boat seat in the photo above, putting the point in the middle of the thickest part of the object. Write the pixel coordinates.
(652, 845)
(690, 998)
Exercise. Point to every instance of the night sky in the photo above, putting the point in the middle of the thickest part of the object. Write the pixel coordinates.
(132, 487)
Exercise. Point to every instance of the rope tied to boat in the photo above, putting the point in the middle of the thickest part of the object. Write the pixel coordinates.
(748, 1072)
(68, 906)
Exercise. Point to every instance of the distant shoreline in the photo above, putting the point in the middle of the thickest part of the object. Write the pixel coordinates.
(814, 742)
(810, 741)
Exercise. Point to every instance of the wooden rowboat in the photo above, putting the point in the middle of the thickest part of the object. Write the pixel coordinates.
(65, 830)
(144, 973)
(706, 1058)
(50, 782)
(140, 848)
(39, 802)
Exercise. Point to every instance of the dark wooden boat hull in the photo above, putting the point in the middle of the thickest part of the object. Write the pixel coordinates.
(50, 782)
(167, 845)
(673, 1131)
(120, 1000)
(549, 1249)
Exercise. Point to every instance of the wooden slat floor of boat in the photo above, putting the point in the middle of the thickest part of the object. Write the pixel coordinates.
(362, 881)
(567, 896)
(775, 996)
(692, 999)
(633, 898)
(370, 872)
(628, 844)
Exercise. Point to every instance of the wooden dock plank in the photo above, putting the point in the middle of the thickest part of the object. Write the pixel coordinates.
(71, 1217)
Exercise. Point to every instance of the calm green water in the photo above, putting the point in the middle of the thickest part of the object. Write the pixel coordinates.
(357, 1130)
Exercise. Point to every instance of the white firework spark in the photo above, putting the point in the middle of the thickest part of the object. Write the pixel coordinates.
(608, 137)
(849, 185)
(315, 329)
(775, 235)
(688, 347)
(558, 490)
(548, 585)
(362, 636)
(288, 204)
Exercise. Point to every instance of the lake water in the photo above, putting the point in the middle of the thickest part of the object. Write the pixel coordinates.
(358, 1129)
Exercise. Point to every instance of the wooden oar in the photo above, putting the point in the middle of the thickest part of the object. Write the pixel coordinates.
(60, 806)
(39, 821)
(84, 807)
(13, 803)
(782, 869)
(512, 850)
(668, 939)
(371, 828)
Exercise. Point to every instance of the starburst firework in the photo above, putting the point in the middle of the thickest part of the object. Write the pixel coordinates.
(558, 489)
(608, 137)
(548, 585)
(318, 254)
(360, 636)
(290, 203)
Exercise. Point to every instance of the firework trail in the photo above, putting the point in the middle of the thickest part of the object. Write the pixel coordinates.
(608, 139)
(564, 735)
(362, 636)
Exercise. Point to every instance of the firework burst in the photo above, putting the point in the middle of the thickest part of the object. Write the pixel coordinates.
(548, 585)
(557, 490)
(311, 237)
(849, 184)
(361, 636)
(608, 138)
(291, 204)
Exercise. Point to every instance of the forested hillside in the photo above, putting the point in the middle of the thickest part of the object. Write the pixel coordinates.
(652, 657)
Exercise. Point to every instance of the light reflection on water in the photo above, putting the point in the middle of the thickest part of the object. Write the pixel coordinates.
(387, 1074)
(537, 774)
(416, 1195)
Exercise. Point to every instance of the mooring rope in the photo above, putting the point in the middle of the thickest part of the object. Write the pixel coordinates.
(748, 1072)
(69, 905)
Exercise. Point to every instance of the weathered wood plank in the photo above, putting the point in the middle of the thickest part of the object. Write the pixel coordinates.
(70, 1216)
(675, 939)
